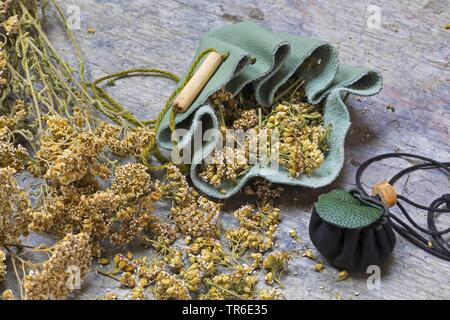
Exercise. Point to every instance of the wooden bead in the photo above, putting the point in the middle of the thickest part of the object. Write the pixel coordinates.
(386, 192)
(198, 81)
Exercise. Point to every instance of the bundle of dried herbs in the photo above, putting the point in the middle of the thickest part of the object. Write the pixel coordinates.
(88, 182)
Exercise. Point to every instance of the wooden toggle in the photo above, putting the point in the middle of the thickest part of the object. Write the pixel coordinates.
(198, 81)
(386, 192)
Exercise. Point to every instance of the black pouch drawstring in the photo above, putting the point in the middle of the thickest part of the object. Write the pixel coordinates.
(407, 227)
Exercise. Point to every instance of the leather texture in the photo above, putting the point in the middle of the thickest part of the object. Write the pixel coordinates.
(346, 242)
(278, 57)
(343, 210)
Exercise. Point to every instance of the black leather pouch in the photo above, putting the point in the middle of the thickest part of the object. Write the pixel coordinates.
(351, 231)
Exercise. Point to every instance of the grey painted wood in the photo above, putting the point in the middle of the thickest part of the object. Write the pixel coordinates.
(411, 50)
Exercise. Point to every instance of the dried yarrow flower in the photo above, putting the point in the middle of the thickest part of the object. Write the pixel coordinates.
(170, 287)
(225, 104)
(121, 212)
(199, 218)
(159, 228)
(132, 143)
(8, 295)
(131, 180)
(132, 220)
(15, 120)
(303, 137)
(275, 264)
(319, 267)
(193, 277)
(174, 259)
(177, 188)
(342, 275)
(228, 165)
(127, 280)
(11, 25)
(50, 281)
(149, 271)
(248, 119)
(66, 155)
(122, 263)
(80, 159)
(268, 294)
(309, 254)
(241, 284)
(207, 253)
(2, 265)
(137, 293)
(14, 204)
(194, 215)
(13, 156)
(256, 228)
(266, 191)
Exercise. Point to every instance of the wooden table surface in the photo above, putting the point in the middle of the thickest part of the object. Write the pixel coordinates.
(411, 50)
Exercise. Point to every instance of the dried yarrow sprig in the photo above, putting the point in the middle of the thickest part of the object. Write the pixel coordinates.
(14, 204)
(71, 257)
(275, 264)
(257, 229)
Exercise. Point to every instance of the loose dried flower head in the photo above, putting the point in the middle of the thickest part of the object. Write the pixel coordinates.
(15, 120)
(127, 280)
(50, 281)
(229, 165)
(241, 284)
(13, 156)
(108, 296)
(275, 264)
(256, 228)
(170, 287)
(2, 265)
(8, 295)
(11, 25)
(131, 180)
(14, 204)
(130, 144)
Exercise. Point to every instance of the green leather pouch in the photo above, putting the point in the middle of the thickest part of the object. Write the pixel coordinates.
(266, 60)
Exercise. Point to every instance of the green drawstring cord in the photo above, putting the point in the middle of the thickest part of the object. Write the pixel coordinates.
(116, 112)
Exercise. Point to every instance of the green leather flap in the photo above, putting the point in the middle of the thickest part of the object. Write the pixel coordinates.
(344, 210)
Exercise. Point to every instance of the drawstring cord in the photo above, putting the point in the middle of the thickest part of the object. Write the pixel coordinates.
(439, 247)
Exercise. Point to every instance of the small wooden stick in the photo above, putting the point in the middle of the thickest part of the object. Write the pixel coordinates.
(198, 81)
(386, 192)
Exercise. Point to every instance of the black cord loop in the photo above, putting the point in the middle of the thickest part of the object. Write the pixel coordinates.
(439, 247)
